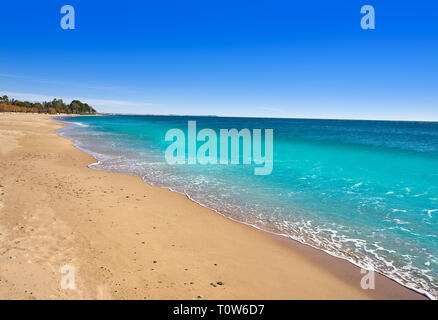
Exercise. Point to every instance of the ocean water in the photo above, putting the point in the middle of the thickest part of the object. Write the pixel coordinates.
(365, 191)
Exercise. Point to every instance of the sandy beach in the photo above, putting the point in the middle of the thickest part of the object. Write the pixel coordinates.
(126, 239)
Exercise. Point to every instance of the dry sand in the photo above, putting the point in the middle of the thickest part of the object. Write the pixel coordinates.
(129, 240)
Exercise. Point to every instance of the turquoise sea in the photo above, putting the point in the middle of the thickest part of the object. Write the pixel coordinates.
(365, 191)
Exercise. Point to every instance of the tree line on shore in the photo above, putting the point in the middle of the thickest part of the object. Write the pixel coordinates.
(51, 107)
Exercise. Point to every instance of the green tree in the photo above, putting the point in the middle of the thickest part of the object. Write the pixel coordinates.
(4, 99)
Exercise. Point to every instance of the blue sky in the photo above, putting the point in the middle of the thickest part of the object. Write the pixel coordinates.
(239, 58)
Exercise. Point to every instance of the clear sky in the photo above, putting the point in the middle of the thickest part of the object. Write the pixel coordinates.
(244, 58)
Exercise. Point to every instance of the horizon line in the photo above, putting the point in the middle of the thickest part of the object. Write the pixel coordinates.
(257, 117)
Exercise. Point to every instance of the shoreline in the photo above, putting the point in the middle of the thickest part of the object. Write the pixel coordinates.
(313, 252)
(323, 276)
(282, 237)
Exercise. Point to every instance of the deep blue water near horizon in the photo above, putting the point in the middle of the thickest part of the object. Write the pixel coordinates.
(366, 191)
